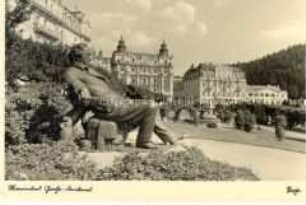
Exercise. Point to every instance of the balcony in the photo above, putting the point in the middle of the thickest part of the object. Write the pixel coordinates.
(48, 32)
(38, 4)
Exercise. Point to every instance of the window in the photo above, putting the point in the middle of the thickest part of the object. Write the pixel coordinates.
(267, 95)
(250, 94)
(262, 95)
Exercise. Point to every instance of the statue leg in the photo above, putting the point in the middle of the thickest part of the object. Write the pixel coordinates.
(165, 134)
(146, 128)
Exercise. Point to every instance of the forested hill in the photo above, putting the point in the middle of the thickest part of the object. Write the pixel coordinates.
(286, 68)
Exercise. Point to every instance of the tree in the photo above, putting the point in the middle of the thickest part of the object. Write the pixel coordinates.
(20, 13)
(285, 68)
(14, 45)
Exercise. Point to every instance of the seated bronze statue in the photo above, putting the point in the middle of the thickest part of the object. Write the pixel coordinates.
(93, 92)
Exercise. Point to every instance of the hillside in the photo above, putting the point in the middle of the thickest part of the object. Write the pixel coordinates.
(286, 68)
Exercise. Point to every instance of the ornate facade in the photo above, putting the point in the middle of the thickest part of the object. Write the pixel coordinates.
(53, 22)
(152, 71)
(210, 84)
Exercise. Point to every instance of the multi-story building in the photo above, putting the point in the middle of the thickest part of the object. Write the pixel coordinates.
(210, 84)
(266, 94)
(152, 71)
(98, 60)
(178, 90)
(52, 22)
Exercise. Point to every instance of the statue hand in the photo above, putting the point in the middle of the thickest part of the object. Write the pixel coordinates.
(84, 94)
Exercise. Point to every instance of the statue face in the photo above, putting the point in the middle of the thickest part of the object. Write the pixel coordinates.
(82, 53)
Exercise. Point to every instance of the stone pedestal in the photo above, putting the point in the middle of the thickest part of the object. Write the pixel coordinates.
(66, 130)
(101, 133)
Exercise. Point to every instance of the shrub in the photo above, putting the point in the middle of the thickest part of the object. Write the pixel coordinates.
(239, 119)
(261, 115)
(29, 117)
(249, 121)
(56, 161)
(225, 115)
(187, 165)
(212, 125)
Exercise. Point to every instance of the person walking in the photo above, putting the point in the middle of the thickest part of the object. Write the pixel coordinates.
(280, 123)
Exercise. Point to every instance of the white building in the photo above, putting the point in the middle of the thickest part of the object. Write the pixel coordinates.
(53, 22)
(270, 95)
(210, 84)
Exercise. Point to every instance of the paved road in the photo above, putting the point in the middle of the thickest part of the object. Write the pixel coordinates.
(267, 164)
(227, 133)
(289, 134)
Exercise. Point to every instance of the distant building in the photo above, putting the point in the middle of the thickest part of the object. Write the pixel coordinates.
(210, 84)
(53, 22)
(97, 59)
(152, 71)
(266, 94)
(178, 90)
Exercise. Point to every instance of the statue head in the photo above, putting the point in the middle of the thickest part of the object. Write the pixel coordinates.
(79, 53)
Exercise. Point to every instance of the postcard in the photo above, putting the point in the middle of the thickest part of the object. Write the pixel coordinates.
(142, 100)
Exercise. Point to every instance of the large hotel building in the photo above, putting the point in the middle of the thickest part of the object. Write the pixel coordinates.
(152, 71)
(52, 22)
(210, 84)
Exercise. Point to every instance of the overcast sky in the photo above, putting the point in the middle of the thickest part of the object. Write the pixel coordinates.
(220, 31)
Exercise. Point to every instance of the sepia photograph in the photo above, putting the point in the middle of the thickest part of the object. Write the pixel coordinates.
(163, 90)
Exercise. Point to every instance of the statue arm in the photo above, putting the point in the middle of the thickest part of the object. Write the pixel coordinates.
(73, 79)
(98, 75)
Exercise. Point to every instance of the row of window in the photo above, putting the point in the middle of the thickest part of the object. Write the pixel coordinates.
(145, 83)
(143, 62)
(55, 8)
(266, 102)
(266, 95)
(234, 94)
(144, 70)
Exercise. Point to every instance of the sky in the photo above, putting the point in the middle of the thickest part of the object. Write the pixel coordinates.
(218, 31)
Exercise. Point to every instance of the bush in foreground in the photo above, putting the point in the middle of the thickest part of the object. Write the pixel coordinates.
(188, 165)
(62, 162)
(47, 162)
(29, 118)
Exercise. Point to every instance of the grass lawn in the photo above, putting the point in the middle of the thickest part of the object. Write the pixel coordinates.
(256, 138)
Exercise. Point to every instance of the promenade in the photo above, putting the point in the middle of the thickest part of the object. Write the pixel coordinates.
(267, 162)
